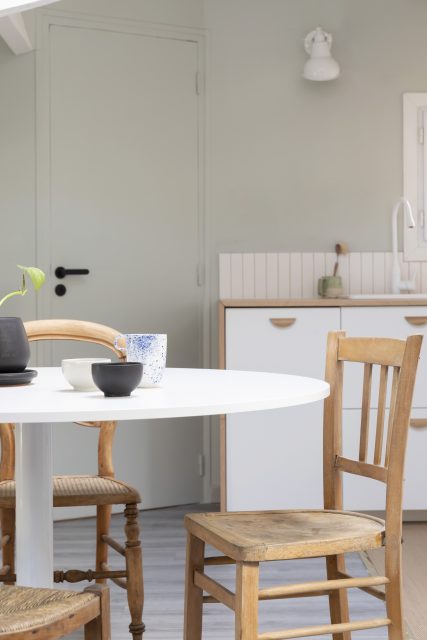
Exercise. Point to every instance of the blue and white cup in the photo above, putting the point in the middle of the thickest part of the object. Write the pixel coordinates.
(149, 349)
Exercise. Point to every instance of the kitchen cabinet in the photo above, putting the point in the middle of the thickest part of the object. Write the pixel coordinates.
(281, 463)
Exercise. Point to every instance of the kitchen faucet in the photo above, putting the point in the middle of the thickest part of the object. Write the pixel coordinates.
(398, 285)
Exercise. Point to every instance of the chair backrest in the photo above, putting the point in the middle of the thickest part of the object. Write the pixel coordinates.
(67, 330)
(73, 330)
(387, 462)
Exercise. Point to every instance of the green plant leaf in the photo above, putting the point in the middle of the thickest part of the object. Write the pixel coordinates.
(20, 292)
(36, 276)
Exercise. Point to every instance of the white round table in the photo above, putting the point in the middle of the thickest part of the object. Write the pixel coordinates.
(184, 392)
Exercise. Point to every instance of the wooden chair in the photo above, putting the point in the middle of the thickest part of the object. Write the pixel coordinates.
(248, 538)
(26, 613)
(101, 490)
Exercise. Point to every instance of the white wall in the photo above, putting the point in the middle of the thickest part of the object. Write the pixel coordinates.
(292, 165)
(17, 131)
(297, 165)
(187, 13)
(17, 175)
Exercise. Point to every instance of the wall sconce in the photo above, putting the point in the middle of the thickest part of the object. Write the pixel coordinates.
(321, 65)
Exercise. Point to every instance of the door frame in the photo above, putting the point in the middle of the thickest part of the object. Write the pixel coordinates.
(44, 20)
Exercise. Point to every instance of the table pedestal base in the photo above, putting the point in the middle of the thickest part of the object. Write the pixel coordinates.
(34, 510)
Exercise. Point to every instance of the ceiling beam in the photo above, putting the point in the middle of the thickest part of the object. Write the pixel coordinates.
(14, 33)
(7, 7)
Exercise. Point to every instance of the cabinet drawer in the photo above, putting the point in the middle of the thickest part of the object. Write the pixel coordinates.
(391, 322)
(280, 340)
(274, 458)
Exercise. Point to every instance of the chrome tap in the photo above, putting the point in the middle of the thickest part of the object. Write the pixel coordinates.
(397, 284)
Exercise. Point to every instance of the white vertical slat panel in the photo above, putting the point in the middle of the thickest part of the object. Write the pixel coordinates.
(319, 268)
(260, 275)
(367, 272)
(308, 276)
(388, 262)
(248, 275)
(355, 273)
(423, 277)
(330, 260)
(344, 272)
(378, 275)
(284, 275)
(272, 275)
(224, 275)
(404, 267)
(415, 274)
(295, 275)
(236, 275)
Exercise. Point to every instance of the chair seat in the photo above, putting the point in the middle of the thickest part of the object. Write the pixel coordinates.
(282, 535)
(25, 608)
(79, 490)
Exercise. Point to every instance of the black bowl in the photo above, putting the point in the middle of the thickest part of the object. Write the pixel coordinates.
(117, 378)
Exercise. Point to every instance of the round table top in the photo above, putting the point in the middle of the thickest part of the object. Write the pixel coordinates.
(184, 392)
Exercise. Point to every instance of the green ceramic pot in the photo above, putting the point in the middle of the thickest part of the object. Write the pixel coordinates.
(330, 287)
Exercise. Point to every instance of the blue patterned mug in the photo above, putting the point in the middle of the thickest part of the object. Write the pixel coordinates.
(148, 348)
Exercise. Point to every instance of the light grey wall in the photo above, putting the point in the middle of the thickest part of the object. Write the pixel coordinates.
(17, 132)
(298, 165)
(17, 175)
(188, 13)
(291, 165)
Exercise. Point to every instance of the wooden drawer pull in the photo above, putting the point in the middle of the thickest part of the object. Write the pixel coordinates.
(282, 322)
(416, 320)
(418, 423)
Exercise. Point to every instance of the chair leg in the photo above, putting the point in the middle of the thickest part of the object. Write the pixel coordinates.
(246, 612)
(8, 548)
(393, 591)
(99, 628)
(193, 612)
(338, 600)
(135, 585)
(103, 518)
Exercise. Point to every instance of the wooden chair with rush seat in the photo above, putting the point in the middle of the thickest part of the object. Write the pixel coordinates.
(28, 612)
(247, 539)
(102, 490)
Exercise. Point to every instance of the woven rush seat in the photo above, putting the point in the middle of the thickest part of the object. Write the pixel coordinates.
(269, 535)
(25, 608)
(79, 490)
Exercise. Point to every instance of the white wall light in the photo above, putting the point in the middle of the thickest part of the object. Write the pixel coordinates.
(321, 65)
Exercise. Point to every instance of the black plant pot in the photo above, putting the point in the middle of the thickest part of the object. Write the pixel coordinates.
(14, 346)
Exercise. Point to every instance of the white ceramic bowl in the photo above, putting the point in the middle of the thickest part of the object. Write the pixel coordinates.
(78, 372)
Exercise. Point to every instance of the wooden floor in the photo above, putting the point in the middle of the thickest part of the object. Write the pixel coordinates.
(164, 552)
(414, 576)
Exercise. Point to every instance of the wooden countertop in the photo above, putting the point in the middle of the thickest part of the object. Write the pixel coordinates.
(325, 302)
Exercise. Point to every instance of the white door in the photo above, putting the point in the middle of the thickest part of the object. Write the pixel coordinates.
(123, 191)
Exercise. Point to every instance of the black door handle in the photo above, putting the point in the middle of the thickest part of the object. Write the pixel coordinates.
(61, 272)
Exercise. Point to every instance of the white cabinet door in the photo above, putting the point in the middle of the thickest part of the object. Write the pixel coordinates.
(360, 493)
(274, 458)
(363, 494)
(415, 487)
(389, 322)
